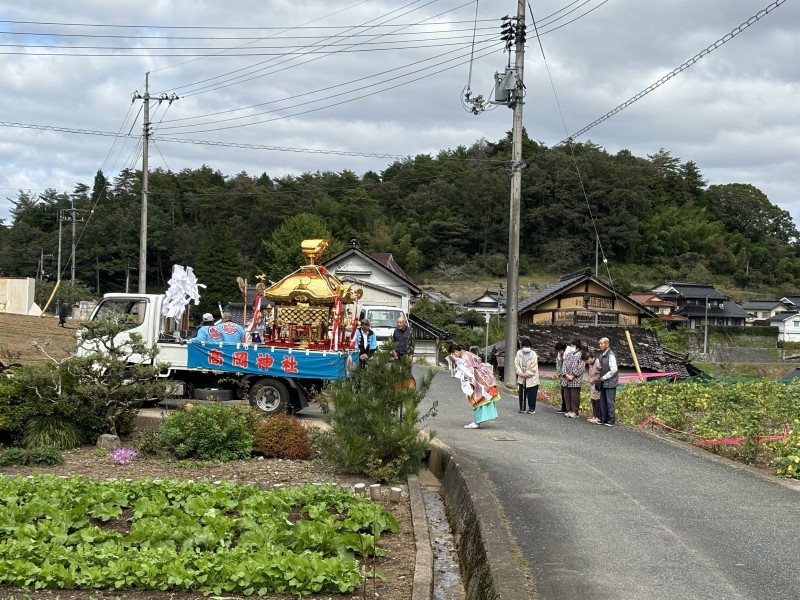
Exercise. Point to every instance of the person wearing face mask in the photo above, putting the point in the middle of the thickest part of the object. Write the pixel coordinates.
(526, 364)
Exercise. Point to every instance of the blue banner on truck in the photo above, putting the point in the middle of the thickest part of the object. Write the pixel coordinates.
(270, 361)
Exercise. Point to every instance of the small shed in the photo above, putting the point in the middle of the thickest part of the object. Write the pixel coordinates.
(427, 338)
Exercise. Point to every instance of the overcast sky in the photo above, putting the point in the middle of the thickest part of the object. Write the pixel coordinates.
(289, 74)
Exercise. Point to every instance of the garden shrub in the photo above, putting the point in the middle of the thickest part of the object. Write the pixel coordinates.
(149, 442)
(45, 456)
(13, 457)
(787, 453)
(281, 436)
(51, 430)
(374, 420)
(207, 432)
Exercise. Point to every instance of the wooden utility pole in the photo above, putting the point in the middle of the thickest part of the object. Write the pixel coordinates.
(143, 222)
(512, 287)
(145, 190)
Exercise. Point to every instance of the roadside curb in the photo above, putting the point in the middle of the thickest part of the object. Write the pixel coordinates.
(422, 587)
(490, 569)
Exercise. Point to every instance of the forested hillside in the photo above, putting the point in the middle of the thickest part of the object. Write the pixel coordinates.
(655, 216)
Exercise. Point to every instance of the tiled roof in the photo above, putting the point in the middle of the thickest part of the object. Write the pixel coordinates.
(792, 299)
(729, 309)
(650, 300)
(388, 261)
(693, 290)
(552, 290)
(423, 330)
(761, 304)
(783, 316)
(383, 259)
(566, 282)
(653, 358)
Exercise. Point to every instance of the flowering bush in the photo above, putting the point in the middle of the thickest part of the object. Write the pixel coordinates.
(122, 456)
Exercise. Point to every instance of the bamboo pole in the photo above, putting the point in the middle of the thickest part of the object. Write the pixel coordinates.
(50, 299)
(633, 354)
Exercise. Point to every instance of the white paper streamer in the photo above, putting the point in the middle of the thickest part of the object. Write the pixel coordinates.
(183, 288)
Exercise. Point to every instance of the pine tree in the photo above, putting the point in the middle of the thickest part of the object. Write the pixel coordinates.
(375, 420)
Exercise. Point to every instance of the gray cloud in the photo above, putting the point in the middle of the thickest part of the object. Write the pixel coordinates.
(734, 113)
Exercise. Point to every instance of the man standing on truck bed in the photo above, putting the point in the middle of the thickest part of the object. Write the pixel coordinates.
(232, 333)
(208, 332)
(404, 343)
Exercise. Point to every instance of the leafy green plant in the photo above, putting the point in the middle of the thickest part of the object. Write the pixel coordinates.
(282, 436)
(787, 453)
(13, 457)
(207, 432)
(375, 420)
(181, 536)
(717, 410)
(46, 456)
(51, 430)
(149, 442)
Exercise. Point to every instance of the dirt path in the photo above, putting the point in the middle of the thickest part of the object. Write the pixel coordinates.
(18, 332)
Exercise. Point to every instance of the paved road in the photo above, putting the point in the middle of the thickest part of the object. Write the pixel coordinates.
(619, 513)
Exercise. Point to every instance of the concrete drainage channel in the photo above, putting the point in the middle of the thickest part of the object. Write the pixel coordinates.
(489, 567)
(447, 583)
(446, 574)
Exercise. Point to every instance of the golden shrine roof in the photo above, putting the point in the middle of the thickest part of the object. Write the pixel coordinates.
(312, 283)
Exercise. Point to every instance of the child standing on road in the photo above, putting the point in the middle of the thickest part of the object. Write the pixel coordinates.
(594, 393)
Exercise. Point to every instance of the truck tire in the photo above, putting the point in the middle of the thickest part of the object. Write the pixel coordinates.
(270, 396)
(212, 393)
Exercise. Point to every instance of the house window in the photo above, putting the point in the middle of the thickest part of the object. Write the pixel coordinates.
(607, 320)
(584, 319)
(796, 323)
(765, 315)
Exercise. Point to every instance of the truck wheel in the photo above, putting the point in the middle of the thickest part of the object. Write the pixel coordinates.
(269, 396)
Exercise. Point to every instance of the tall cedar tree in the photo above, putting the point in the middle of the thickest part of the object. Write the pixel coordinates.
(217, 266)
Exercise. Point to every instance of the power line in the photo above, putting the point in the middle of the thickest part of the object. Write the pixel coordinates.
(203, 55)
(317, 91)
(235, 38)
(284, 47)
(326, 98)
(338, 102)
(226, 27)
(203, 142)
(692, 61)
(250, 76)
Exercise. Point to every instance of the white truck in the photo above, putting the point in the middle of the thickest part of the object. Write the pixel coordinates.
(309, 339)
(275, 376)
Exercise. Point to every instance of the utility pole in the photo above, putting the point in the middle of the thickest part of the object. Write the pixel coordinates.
(143, 222)
(73, 212)
(145, 148)
(509, 90)
(512, 285)
(705, 333)
(60, 219)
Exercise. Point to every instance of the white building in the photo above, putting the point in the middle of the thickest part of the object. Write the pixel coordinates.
(383, 281)
(788, 324)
